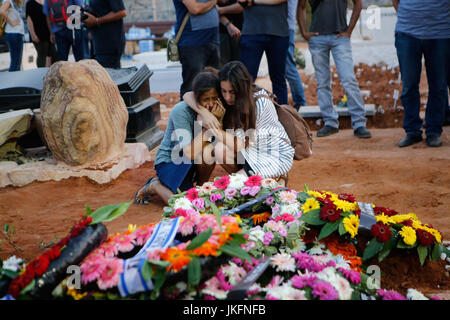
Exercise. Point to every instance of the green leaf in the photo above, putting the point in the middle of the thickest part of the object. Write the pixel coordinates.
(159, 263)
(159, 278)
(436, 253)
(239, 238)
(88, 210)
(312, 218)
(236, 251)
(123, 207)
(216, 212)
(305, 188)
(28, 288)
(403, 245)
(342, 230)
(423, 252)
(387, 247)
(373, 247)
(292, 233)
(9, 273)
(327, 229)
(270, 250)
(200, 239)
(5, 228)
(146, 271)
(194, 271)
(109, 212)
(302, 196)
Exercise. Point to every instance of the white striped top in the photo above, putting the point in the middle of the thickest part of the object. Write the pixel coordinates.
(270, 153)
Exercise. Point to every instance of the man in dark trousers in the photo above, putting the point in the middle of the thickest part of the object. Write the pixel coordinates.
(423, 29)
(330, 33)
(231, 17)
(105, 22)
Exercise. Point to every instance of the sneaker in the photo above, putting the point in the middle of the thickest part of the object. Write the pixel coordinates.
(409, 140)
(326, 131)
(362, 133)
(434, 141)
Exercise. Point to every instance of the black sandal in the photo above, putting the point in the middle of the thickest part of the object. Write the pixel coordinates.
(145, 199)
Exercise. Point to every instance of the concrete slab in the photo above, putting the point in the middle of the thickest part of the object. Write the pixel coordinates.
(314, 111)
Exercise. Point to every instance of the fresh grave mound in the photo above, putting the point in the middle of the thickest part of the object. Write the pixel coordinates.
(236, 237)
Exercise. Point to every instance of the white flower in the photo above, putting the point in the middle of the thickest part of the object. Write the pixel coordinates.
(286, 292)
(343, 287)
(182, 203)
(256, 234)
(213, 288)
(237, 181)
(269, 182)
(12, 263)
(283, 262)
(413, 294)
(292, 208)
(234, 273)
(341, 262)
(317, 249)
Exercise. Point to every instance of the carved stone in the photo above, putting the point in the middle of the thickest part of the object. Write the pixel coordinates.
(84, 117)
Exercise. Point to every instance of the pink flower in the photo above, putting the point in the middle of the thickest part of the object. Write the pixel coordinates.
(125, 243)
(199, 203)
(188, 224)
(109, 278)
(92, 269)
(207, 187)
(245, 191)
(353, 276)
(254, 191)
(209, 297)
(222, 183)
(268, 236)
(270, 200)
(207, 221)
(390, 295)
(276, 281)
(192, 194)
(110, 249)
(214, 197)
(324, 291)
(143, 234)
(300, 282)
(288, 196)
(253, 181)
(230, 193)
(179, 213)
(155, 254)
(285, 217)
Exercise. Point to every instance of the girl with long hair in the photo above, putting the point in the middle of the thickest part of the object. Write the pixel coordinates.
(14, 31)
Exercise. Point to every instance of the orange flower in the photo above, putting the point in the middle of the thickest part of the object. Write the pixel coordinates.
(260, 217)
(177, 258)
(206, 249)
(343, 248)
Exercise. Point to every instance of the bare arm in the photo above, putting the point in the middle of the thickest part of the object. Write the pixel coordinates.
(195, 7)
(208, 119)
(234, 8)
(232, 30)
(395, 4)
(301, 19)
(111, 16)
(4, 8)
(34, 36)
(49, 26)
(357, 7)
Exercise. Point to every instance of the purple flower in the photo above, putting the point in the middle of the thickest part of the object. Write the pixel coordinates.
(199, 203)
(268, 238)
(270, 200)
(324, 291)
(230, 193)
(353, 276)
(276, 209)
(300, 282)
(390, 295)
(306, 262)
(254, 191)
(245, 190)
(214, 197)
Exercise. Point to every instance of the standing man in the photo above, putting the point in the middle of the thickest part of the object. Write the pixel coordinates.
(423, 29)
(64, 38)
(327, 33)
(231, 17)
(292, 75)
(105, 23)
(266, 30)
(199, 42)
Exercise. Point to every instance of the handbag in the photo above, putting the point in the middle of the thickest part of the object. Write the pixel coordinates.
(172, 43)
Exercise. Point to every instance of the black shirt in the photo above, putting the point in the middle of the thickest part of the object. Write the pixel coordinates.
(33, 9)
(235, 19)
(109, 38)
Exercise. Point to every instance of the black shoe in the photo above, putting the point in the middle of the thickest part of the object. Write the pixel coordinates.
(434, 141)
(326, 131)
(409, 140)
(362, 132)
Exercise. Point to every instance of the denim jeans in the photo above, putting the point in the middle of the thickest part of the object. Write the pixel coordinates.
(320, 48)
(435, 52)
(292, 75)
(252, 49)
(67, 38)
(193, 60)
(15, 45)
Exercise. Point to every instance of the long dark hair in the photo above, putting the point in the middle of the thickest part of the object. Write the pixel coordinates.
(204, 81)
(243, 113)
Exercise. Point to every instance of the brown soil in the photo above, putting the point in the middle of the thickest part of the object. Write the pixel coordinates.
(414, 179)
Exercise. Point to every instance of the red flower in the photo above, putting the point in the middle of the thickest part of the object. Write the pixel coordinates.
(253, 181)
(53, 253)
(330, 212)
(425, 238)
(180, 213)
(407, 223)
(381, 232)
(386, 211)
(40, 265)
(222, 183)
(14, 288)
(357, 212)
(347, 197)
(192, 194)
(285, 217)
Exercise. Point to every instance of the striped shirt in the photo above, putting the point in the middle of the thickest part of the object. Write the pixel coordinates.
(269, 153)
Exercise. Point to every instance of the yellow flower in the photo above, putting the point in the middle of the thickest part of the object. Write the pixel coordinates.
(314, 194)
(344, 99)
(76, 296)
(385, 219)
(132, 228)
(310, 204)
(436, 234)
(238, 218)
(409, 235)
(344, 205)
(351, 224)
(398, 218)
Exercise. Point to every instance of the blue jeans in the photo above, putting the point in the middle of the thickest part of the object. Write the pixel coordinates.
(15, 45)
(409, 52)
(320, 48)
(292, 75)
(252, 49)
(67, 38)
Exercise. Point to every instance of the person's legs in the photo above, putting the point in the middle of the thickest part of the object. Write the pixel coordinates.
(342, 55)
(63, 42)
(77, 44)
(225, 48)
(320, 54)
(15, 44)
(252, 49)
(52, 54)
(212, 55)
(109, 61)
(276, 51)
(409, 53)
(292, 75)
(435, 52)
(192, 62)
(41, 50)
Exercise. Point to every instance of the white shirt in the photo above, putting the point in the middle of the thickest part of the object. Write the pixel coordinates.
(13, 13)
